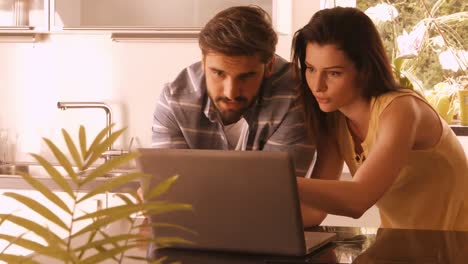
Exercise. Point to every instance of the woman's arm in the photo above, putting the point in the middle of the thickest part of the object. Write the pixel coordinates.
(395, 138)
(329, 166)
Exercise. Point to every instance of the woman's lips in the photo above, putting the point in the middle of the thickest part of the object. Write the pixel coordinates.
(322, 100)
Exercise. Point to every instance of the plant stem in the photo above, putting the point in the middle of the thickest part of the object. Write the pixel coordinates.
(394, 33)
(70, 231)
(437, 28)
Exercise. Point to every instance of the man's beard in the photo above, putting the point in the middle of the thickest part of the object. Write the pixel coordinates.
(230, 116)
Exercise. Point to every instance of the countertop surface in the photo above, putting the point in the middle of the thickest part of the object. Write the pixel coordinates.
(355, 245)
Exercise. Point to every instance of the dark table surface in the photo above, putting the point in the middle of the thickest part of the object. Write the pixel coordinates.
(459, 129)
(353, 245)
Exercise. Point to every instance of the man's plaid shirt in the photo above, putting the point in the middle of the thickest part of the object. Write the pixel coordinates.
(185, 117)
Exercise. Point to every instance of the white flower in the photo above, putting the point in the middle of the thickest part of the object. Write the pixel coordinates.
(438, 41)
(451, 59)
(410, 44)
(382, 13)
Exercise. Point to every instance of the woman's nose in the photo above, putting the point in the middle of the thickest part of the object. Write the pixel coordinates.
(319, 84)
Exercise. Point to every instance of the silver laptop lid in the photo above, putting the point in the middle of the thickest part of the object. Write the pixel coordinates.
(243, 201)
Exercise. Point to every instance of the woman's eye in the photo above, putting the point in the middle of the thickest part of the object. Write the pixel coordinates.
(310, 69)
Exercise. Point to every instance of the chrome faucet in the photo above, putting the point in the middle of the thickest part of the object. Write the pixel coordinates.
(110, 151)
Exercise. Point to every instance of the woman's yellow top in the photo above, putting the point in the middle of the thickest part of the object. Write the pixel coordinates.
(431, 191)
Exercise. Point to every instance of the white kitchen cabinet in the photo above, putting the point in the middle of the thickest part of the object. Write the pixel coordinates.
(156, 18)
(22, 20)
(174, 14)
(24, 15)
(136, 18)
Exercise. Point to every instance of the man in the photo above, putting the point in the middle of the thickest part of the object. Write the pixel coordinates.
(241, 96)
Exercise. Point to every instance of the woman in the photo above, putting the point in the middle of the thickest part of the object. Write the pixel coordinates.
(402, 156)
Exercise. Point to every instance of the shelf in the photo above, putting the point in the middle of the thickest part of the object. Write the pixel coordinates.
(17, 34)
(142, 36)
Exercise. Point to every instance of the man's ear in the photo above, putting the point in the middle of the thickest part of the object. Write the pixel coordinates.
(203, 63)
(269, 67)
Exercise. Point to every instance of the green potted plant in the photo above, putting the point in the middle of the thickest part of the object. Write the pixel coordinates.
(87, 240)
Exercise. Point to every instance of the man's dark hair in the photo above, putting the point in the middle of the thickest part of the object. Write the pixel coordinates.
(240, 31)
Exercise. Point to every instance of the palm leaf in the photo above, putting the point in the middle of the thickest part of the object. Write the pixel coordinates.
(114, 243)
(45, 191)
(101, 256)
(55, 175)
(112, 184)
(11, 243)
(50, 237)
(38, 208)
(108, 166)
(124, 198)
(102, 147)
(97, 140)
(91, 237)
(8, 258)
(62, 159)
(161, 187)
(137, 258)
(72, 149)
(168, 225)
(169, 241)
(82, 136)
(109, 215)
(108, 240)
(159, 260)
(36, 247)
(154, 207)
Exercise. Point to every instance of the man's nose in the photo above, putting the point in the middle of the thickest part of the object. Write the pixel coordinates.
(231, 89)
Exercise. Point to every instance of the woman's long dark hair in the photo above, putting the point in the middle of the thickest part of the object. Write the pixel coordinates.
(354, 33)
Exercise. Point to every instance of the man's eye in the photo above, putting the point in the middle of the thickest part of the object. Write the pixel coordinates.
(246, 76)
(218, 73)
(334, 73)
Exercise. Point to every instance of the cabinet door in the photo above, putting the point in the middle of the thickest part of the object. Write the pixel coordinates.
(24, 14)
(173, 14)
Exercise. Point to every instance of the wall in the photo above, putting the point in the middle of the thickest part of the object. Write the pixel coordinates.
(128, 76)
(90, 67)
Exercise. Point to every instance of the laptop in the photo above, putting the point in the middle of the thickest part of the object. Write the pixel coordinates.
(243, 201)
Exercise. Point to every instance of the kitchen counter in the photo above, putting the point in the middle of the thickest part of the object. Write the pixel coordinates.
(9, 179)
(16, 182)
(356, 245)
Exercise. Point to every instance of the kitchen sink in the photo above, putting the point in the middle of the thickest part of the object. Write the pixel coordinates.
(9, 169)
